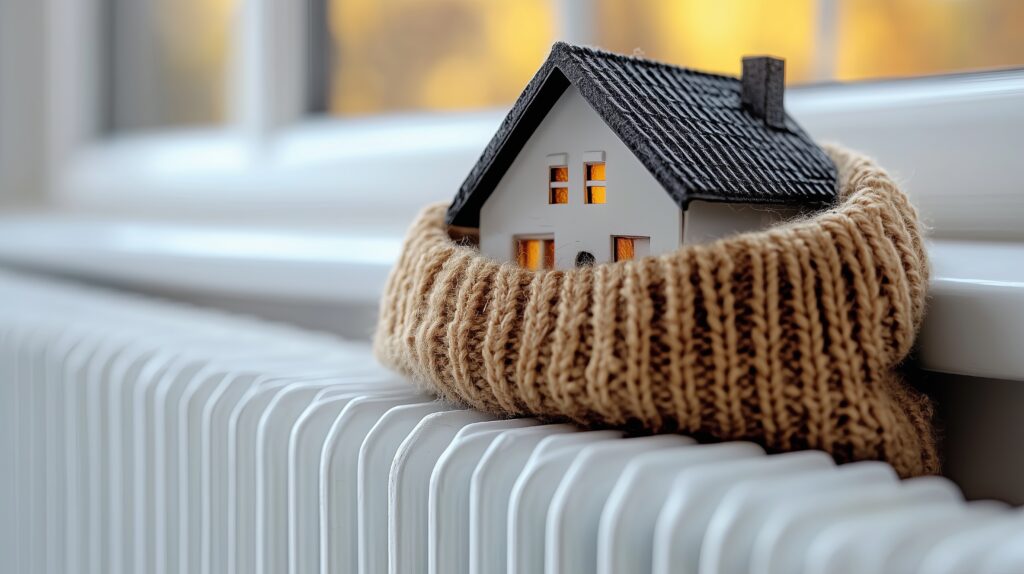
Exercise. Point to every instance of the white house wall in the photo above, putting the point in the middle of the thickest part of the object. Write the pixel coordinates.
(707, 221)
(636, 205)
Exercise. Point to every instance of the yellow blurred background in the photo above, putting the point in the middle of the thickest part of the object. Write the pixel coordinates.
(416, 55)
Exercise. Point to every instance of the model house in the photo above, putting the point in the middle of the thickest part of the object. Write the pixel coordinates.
(608, 158)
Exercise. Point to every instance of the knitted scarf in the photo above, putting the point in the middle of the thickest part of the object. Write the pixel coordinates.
(788, 337)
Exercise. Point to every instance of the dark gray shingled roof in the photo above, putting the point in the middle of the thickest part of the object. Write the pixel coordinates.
(687, 127)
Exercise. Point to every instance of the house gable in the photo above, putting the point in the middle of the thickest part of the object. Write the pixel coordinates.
(572, 132)
(689, 128)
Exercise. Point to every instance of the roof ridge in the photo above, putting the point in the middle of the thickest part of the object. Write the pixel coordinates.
(573, 49)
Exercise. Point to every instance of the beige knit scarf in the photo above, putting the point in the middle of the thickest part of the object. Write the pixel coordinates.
(788, 337)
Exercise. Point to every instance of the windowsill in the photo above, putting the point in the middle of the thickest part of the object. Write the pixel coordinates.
(311, 265)
(974, 325)
(330, 172)
(975, 318)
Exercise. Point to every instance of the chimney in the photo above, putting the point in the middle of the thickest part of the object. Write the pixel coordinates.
(762, 86)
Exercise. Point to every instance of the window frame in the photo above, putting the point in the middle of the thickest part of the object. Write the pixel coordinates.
(280, 163)
(273, 127)
(588, 197)
(544, 240)
(267, 90)
(555, 184)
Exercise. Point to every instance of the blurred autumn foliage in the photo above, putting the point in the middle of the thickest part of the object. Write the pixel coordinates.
(456, 54)
(435, 55)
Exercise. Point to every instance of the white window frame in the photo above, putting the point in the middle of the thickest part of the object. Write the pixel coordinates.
(543, 238)
(271, 157)
(594, 158)
(556, 161)
(273, 160)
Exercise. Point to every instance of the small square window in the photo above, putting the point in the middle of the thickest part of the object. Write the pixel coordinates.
(534, 254)
(595, 186)
(558, 184)
(629, 248)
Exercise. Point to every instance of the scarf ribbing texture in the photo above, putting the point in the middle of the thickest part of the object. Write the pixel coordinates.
(789, 337)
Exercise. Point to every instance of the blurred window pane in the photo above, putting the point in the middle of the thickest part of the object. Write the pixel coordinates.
(711, 35)
(887, 38)
(407, 55)
(820, 39)
(167, 62)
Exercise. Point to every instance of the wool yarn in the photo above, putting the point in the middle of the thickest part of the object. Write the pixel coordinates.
(789, 337)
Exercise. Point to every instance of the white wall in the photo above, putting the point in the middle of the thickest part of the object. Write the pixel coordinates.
(707, 221)
(636, 203)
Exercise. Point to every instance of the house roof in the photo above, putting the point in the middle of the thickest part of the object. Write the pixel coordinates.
(686, 127)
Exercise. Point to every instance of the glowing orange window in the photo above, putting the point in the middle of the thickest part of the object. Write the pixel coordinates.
(629, 248)
(535, 254)
(595, 182)
(558, 184)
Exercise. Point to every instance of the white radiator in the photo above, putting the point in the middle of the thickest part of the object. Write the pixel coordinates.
(141, 436)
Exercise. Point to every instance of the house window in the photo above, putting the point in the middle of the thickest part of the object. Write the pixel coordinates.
(535, 253)
(558, 184)
(626, 248)
(595, 182)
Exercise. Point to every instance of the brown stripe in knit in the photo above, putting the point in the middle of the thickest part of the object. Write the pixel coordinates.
(788, 337)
